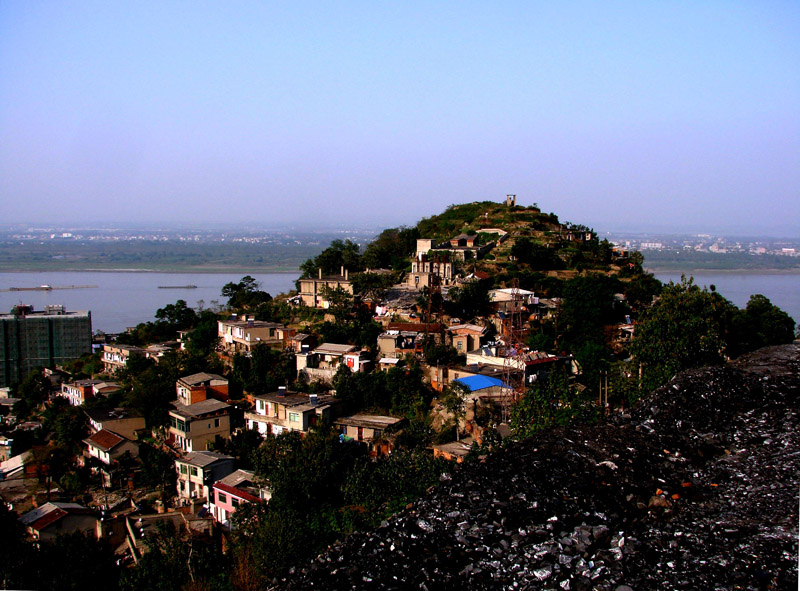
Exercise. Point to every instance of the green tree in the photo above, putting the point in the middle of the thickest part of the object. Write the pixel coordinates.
(341, 253)
(245, 294)
(760, 324)
(454, 401)
(685, 328)
(550, 403)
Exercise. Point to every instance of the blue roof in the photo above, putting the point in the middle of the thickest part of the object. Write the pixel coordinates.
(475, 383)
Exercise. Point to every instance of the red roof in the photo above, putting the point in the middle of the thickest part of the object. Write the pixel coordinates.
(232, 490)
(105, 440)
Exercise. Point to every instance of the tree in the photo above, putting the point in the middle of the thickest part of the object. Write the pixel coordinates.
(685, 328)
(453, 399)
(550, 403)
(244, 294)
(760, 324)
(179, 315)
(331, 260)
(371, 286)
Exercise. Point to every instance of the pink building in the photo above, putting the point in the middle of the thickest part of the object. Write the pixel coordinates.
(232, 491)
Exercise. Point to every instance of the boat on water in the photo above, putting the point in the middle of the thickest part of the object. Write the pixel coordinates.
(43, 287)
(177, 287)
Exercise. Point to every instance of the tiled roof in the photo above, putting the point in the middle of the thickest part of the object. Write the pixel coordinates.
(105, 440)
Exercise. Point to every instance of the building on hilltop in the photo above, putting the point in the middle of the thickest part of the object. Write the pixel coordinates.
(290, 411)
(31, 340)
(79, 391)
(116, 357)
(197, 473)
(312, 289)
(241, 335)
(196, 425)
(201, 386)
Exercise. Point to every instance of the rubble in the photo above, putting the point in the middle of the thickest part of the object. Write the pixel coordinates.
(697, 488)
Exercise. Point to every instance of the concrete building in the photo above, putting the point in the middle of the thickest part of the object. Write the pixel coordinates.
(201, 386)
(32, 340)
(198, 471)
(115, 357)
(233, 491)
(79, 391)
(289, 411)
(124, 421)
(241, 335)
(312, 289)
(194, 426)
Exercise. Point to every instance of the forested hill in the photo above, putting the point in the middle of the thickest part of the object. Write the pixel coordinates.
(515, 242)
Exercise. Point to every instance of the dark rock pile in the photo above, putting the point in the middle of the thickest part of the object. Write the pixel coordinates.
(697, 488)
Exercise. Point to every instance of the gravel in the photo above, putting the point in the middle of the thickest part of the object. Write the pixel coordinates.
(696, 488)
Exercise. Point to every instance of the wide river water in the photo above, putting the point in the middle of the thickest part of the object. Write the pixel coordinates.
(123, 299)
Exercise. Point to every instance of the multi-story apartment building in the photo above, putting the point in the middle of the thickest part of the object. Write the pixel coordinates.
(201, 386)
(198, 471)
(289, 411)
(31, 340)
(312, 289)
(80, 391)
(240, 336)
(115, 357)
(195, 425)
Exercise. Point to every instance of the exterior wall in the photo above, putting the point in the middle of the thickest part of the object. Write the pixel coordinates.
(41, 340)
(125, 427)
(76, 395)
(87, 524)
(197, 432)
(311, 290)
(115, 358)
(195, 482)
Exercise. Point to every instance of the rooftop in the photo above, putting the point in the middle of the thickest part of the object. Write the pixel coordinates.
(334, 349)
(104, 439)
(200, 378)
(201, 459)
(199, 409)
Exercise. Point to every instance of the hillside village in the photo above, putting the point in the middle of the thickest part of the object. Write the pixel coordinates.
(216, 451)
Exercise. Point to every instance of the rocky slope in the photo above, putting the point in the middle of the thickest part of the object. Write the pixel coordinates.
(697, 488)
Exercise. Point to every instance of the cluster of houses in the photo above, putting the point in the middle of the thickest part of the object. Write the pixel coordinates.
(209, 486)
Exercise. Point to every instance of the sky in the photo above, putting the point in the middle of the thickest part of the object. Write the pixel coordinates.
(640, 116)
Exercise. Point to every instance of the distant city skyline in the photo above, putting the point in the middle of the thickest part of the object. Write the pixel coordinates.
(637, 117)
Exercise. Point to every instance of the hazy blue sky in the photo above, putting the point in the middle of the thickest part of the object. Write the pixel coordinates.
(680, 116)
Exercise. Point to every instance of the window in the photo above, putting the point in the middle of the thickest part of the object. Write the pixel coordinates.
(216, 422)
(260, 405)
(194, 471)
(184, 470)
(459, 345)
(222, 497)
(235, 502)
(294, 417)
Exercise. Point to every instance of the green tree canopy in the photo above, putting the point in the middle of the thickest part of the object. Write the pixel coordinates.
(685, 328)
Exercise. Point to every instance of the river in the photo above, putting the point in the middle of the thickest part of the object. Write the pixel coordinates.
(782, 289)
(123, 299)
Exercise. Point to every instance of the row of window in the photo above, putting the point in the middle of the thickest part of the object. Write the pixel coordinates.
(188, 469)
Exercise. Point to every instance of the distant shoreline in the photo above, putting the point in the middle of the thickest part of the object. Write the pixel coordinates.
(665, 270)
